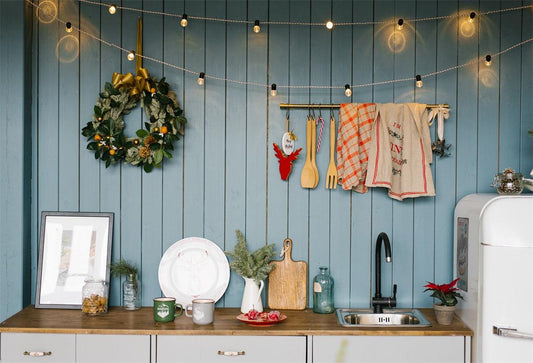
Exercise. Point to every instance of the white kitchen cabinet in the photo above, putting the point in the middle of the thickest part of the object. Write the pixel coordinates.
(408, 349)
(30, 347)
(91, 348)
(257, 349)
(74, 348)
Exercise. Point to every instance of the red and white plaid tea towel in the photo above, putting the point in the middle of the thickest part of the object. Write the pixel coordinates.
(353, 142)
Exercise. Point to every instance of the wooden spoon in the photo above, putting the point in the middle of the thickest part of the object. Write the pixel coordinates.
(313, 152)
(307, 179)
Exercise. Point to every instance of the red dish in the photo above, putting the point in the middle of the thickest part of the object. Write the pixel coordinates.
(260, 321)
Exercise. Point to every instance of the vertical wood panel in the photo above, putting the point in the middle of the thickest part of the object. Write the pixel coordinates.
(89, 171)
(278, 72)
(235, 198)
(299, 64)
(173, 170)
(402, 212)
(256, 128)
(215, 128)
(445, 172)
(152, 183)
(34, 121)
(194, 153)
(14, 138)
(110, 178)
(130, 187)
(510, 72)
(320, 59)
(488, 100)
(526, 113)
(383, 71)
(48, 126)
(68, 53)
(423, 216)
(339, 203)
(467, 100)
(361, 204)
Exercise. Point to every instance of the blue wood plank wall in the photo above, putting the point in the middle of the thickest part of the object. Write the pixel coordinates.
(15, 163)
(224, 175)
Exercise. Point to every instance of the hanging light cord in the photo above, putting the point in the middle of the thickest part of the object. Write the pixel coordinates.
(297, 23)
(229, 80)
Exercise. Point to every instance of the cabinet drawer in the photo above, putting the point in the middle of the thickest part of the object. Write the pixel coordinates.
(112, 348)
(256, 349)
(408, 349)
(57, 348)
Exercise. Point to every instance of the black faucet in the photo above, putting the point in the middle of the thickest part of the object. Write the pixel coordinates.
(378, 301)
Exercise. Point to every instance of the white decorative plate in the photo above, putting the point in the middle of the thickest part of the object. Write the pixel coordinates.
(194, 268)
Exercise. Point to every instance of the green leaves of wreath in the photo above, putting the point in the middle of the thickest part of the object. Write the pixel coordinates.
(105, 133)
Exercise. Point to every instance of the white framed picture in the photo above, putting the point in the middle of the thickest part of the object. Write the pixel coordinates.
(73, 247)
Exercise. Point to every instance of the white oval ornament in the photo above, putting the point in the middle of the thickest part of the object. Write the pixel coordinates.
(287, 143)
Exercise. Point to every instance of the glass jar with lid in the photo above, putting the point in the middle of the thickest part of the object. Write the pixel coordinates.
(323, 292)
(94, 297)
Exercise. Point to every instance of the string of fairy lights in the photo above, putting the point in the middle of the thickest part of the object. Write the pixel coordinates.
(399, 24)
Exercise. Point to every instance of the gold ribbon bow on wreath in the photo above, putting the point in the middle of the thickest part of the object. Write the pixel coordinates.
(134, 84)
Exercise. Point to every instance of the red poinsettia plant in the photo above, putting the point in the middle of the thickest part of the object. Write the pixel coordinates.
(446, 293)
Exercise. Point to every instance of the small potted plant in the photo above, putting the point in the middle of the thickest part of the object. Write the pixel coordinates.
(447, 294)
(131, 287)
(253, 268)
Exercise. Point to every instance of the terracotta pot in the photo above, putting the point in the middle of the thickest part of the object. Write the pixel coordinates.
(444, 314)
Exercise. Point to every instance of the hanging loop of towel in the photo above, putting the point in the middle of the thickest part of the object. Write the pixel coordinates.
(441, 113)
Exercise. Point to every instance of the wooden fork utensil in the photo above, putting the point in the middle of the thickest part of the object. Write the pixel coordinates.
(331, 176)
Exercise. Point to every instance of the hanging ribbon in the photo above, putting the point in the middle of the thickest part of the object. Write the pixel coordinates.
(439, 147)
(441, 113)
(127, 81)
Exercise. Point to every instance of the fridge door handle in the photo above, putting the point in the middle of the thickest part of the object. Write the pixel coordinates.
(510, 333)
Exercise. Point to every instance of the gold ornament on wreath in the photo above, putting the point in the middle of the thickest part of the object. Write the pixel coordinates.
(150, 145)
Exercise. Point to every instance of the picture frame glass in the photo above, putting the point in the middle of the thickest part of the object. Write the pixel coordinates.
(73, 247)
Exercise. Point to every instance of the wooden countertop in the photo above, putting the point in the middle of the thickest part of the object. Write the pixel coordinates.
(141, 322)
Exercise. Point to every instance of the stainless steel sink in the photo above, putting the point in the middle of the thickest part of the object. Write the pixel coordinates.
(389, 317)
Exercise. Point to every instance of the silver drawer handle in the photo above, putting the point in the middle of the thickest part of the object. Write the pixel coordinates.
(230, 354)
(511, 333)
(37, 354)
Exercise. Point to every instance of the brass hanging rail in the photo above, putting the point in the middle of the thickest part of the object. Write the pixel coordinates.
(320, 105)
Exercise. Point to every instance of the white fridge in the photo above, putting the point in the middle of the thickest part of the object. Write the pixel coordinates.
(493, 257)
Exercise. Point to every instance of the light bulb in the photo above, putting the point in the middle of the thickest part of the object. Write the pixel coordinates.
(472, 17)
(257, 28)
(68, 27)
(419, 82)
(273, 90)
(131, 55)
(201, 79)
(488, 60)
(400, 24)
(329, 24)
(112, 9)
(183, 21)
(347, 90)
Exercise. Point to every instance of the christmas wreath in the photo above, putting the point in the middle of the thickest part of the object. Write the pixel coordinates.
(105, 132)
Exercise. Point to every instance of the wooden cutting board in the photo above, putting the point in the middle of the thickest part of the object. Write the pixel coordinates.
(287, 282)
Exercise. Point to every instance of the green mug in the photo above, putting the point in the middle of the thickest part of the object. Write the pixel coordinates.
(166, 309)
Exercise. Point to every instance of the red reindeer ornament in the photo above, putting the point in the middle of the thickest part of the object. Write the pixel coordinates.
(285, 161)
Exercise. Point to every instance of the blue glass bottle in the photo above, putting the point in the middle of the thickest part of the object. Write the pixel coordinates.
(323, 292)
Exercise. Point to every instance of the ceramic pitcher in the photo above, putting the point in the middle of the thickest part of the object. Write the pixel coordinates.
(251, 298)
